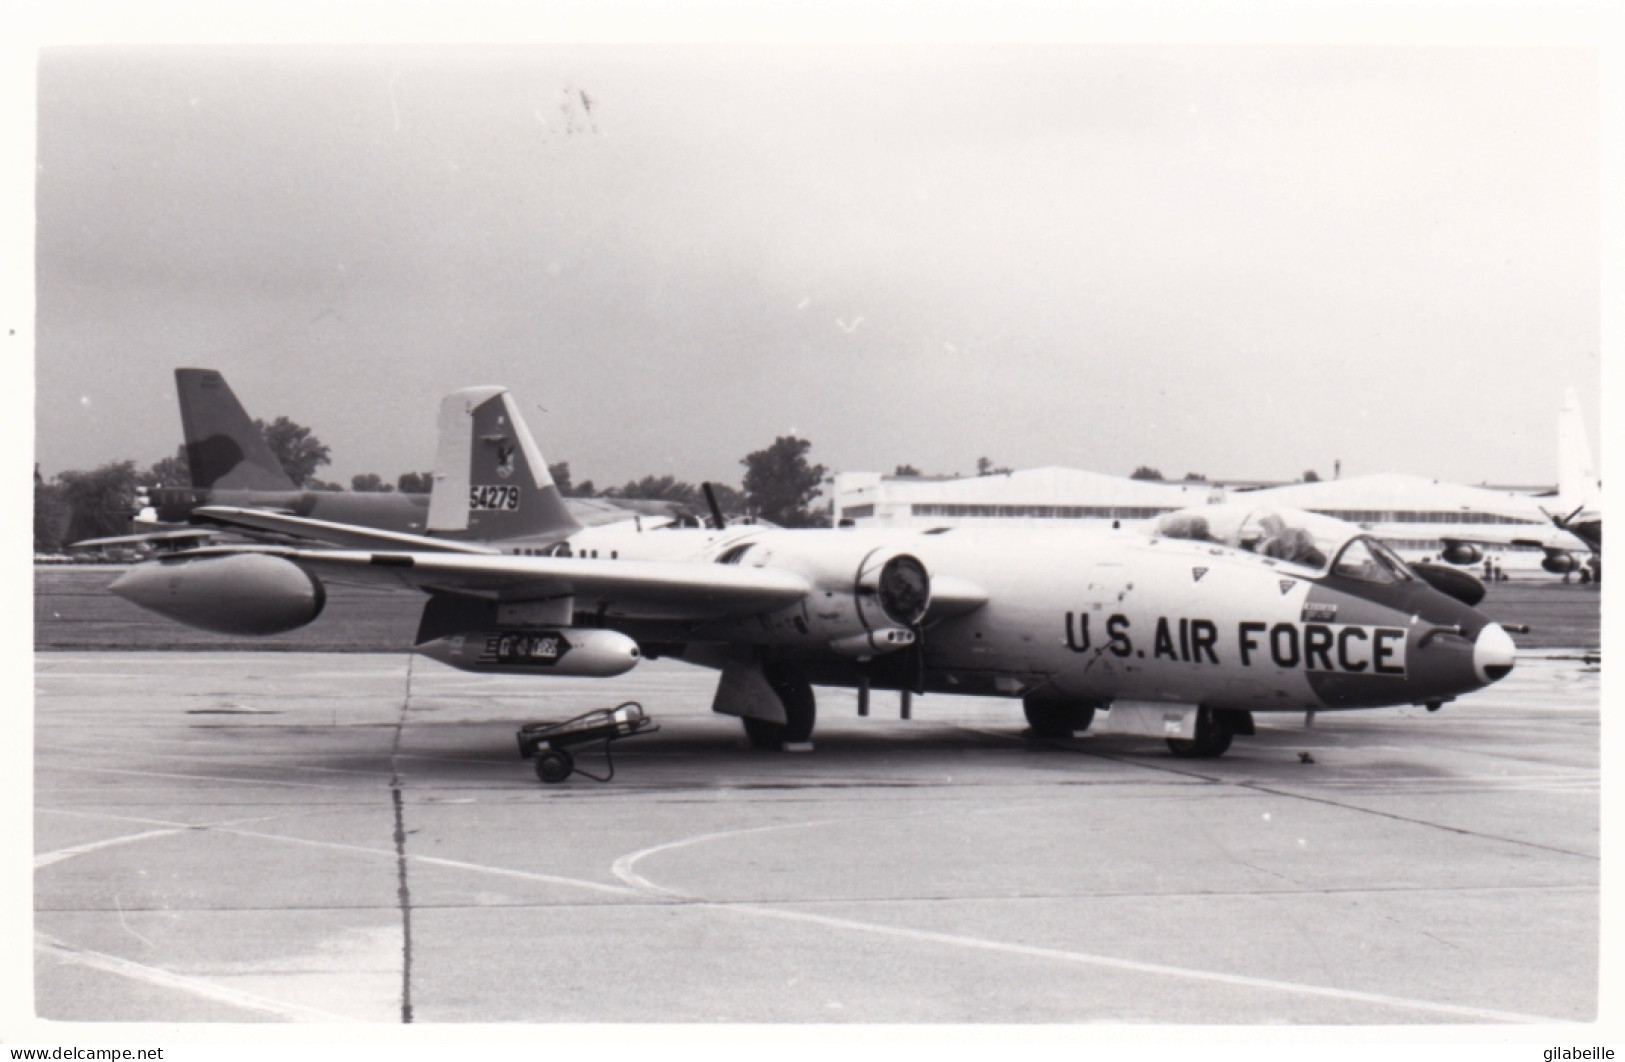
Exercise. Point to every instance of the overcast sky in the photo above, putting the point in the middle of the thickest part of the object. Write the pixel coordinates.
(1243, 262)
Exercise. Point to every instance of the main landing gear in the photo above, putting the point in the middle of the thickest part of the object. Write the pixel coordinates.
(1055, 718)
(795, 694)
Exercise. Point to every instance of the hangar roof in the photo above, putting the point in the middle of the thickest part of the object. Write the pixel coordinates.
(1049, 486)
(1396, 491)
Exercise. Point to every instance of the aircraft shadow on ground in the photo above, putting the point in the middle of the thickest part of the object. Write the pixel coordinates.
(465, 753)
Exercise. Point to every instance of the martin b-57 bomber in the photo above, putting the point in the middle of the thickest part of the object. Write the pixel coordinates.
(1190, 623)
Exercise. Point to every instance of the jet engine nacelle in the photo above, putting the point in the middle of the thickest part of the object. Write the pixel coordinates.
(234, 593)
(1462, 553)
(580, 651)
(858, 591)
(1560, 563)
(893, 589)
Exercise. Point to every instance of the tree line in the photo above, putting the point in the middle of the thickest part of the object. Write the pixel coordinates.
(779, 485)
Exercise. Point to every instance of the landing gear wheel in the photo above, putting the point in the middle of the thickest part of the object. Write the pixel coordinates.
(795, 694)
(1052, 718)
(763, 734)
(554, 766)
(1214, 731)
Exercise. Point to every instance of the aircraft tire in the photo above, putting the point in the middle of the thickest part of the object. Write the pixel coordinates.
(1214, 732)
(554, 766)
(1055, 718)
(795, 694)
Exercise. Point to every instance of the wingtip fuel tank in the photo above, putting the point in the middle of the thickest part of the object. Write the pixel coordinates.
(238, 593)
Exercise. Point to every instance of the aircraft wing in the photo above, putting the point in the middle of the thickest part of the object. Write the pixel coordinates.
(1551, 538)
(344, 536)
(596, 512)
(952, 597)
(624, 589)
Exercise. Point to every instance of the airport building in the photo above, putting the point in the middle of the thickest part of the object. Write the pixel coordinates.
(1030, 498)
(1413, 513)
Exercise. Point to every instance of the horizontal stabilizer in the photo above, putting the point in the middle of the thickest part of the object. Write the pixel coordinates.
(176, 538)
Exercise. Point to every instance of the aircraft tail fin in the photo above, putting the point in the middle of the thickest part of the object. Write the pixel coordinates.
(223, 448)
(1577, 488)
(490, 480)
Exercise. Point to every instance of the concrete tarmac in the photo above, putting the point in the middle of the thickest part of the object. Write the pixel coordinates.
(227, 836)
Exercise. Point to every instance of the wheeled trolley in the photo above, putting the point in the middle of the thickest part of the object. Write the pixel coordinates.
(599, 726)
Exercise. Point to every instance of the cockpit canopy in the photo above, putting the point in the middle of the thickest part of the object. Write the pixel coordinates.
(1294, 536)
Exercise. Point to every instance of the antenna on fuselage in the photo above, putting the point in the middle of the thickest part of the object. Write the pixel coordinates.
(718, 520)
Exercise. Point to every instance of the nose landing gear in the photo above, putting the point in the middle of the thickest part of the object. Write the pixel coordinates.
(1215, 727)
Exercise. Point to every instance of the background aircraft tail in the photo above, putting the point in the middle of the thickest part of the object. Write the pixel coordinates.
(223, 448)
(490, 480)
(1577, 488)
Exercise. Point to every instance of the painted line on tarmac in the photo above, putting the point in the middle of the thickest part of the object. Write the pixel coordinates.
(1279, 788)
(234, 830)
(210, 990)
(170, 829)
(437, 861)
(623, 868)
(49, 858)
(1479, 1014)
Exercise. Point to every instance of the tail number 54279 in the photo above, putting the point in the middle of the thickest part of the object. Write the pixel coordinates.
(496, 499)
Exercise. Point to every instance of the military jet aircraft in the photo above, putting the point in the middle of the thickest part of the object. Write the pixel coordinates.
(1194, 621)
(1575, 525)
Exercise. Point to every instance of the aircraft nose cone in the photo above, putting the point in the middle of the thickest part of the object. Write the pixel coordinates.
(139, 585)
(1493, 653)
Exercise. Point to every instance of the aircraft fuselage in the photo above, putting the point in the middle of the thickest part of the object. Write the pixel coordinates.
(405, 513)
(1096, 615)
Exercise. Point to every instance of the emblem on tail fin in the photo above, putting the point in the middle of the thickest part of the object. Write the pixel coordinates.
(505, 460)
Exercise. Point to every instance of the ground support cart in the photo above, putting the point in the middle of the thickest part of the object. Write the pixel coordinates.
(601, 725)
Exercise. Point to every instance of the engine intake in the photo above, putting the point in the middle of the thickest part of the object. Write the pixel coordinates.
(863, 598)
(898, 584)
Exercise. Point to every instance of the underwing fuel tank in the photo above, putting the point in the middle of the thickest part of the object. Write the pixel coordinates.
(239, 593)
(589, 652)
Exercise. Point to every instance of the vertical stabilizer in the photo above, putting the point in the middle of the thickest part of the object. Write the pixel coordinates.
(223, 448)
(490, 480)
(1577, 488)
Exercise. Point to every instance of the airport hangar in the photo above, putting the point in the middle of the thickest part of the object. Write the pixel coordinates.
(1414, 514)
